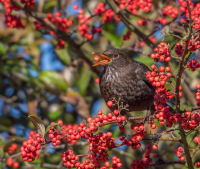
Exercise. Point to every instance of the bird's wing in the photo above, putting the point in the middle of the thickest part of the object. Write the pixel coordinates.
(139, 72)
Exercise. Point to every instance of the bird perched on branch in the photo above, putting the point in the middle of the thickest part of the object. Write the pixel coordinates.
(123, 80)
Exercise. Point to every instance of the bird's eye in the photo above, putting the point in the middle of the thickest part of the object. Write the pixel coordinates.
(116, 55)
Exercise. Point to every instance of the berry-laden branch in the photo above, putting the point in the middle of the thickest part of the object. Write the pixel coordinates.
(62, 35)
(129, 25)
(99, 143)
(177, 98)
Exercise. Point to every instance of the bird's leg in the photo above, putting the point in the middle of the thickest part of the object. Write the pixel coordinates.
(147, 116)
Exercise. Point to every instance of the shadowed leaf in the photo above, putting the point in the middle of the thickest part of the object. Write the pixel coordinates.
(63, 56)
(8, 144)
(38, 123)
(53, 81)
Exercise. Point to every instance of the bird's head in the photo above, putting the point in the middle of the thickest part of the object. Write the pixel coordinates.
(113, 57)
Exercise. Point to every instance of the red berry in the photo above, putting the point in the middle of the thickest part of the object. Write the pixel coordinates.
(9, 162)
(154, 146)
(162, 68)
(15, 165)
(155, 155)
(167, 69)
(109, 103)
(96, 58)
(75, 6)
(107, 164)
(96, 80)
(60, 122)
(198, 86)
(196, 140)
(153, 126)
(140, 22)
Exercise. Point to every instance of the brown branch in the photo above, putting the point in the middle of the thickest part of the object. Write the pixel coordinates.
(62, 35)
(164, 139)
(129, 25)
(12, 156)
(130, 118)
(168, 163)
(190, 110)
(190, 96)
(177, 99)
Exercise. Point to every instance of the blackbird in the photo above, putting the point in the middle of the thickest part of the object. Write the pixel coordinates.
(124, 80)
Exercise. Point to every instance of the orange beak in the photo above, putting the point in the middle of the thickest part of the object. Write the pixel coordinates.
(105, 60)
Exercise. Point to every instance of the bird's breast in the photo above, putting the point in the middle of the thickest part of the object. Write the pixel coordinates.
(130, 91)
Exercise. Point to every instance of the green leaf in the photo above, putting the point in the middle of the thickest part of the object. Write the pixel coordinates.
(49, 127)
(49, 6)
(146, 60)
(84, 80)
(38, 123)
(8, 144)
(63, 56)
(2, 49)
(53, 81)
(54, 115)
(113, 38)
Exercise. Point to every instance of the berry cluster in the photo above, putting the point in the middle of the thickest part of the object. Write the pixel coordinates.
(11, 163)
(193, 46)
(12, 148)
(116, 163)
(98, 144)
(179, 153)
(127, 36)
(184, 7)
(173, 12)
(55, 135)
(195, 15)
(198, 95)
(68, 132)
(162, 53)
(162, 21)
(69, 159)
(134, 142)
(193, 65)
(179, 49)
(100, 8)
(145, 162)
(13, 21)
(62, 23)
(134, 5)
(159, 79)
(190, 120)
(29, 148)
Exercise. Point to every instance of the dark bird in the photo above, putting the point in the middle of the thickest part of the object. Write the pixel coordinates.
(124, 79)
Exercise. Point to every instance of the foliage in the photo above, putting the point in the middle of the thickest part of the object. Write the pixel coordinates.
(48, 84)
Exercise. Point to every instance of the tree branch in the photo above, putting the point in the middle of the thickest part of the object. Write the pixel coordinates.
(62, 35)
(178, 82)
(129, 25)
(168, 163)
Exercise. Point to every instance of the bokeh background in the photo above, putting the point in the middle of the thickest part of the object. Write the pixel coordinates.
(38, 79)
